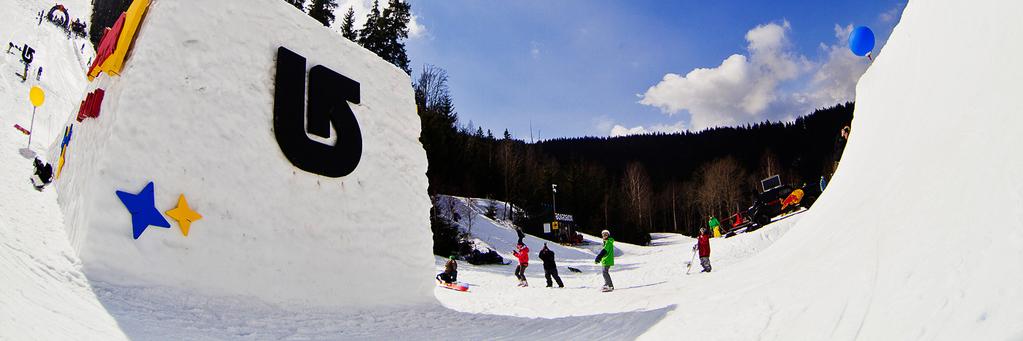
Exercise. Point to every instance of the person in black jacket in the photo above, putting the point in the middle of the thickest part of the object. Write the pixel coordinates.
(450, 274)
(43, 174)
(522, 235)
(550, 269)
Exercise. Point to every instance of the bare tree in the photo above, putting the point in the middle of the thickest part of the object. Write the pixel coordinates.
(673, 197)
(770, 165)
(721, 186)
(510, 163)
(691, 206)
(431, 90)
(470, 215)
(637, 191)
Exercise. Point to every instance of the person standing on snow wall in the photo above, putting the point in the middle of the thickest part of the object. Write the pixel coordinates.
(715, 226)
(607, 258)
(522, 253)
(450, 274)
(550, 269)
(840, 141)
(703, 245)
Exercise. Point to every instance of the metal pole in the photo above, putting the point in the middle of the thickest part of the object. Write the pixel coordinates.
(31, 127)
(554, 206)
(554, 200)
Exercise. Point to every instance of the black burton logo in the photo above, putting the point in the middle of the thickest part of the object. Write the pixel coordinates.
(329, 94)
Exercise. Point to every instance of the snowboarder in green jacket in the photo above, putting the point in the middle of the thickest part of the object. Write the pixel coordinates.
(715, 226)
(606, 257)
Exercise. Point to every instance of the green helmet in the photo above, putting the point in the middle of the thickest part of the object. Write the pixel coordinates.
(451, 257)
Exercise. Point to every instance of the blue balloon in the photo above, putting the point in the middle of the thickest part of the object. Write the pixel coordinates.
(861, 41)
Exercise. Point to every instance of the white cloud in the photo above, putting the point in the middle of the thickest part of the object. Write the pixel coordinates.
(415, 29)
(619, 130)
(603, 124)
(534, 49)
(772, 83)
(891, 15)
(834, 81)
(740, 89)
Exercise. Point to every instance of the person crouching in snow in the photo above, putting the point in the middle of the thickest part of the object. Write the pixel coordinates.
(43, 174)
(607, 258)
(450, 274)
(703, 245)
(522, 253)
(550, 269)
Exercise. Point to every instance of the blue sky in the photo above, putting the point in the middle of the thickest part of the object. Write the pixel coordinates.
(587, 67)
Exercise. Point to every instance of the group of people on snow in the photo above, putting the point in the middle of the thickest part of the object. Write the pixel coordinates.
(605, 258)
(550, 268)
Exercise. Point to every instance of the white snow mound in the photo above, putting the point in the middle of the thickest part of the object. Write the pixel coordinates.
(193, 111)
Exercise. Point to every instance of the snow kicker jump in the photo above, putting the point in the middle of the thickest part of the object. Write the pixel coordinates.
(287, 197)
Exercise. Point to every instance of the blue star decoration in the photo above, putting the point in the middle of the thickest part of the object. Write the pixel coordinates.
(143, 210)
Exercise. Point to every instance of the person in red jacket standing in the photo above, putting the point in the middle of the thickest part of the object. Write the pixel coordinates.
(522, 253)
(703, 245)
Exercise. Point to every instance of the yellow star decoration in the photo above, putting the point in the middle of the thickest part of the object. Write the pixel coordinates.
(184, 215)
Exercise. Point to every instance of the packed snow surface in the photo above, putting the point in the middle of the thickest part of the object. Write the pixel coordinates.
(898, 246)
(645, 277)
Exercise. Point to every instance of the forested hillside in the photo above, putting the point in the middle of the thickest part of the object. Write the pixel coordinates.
(630, 185)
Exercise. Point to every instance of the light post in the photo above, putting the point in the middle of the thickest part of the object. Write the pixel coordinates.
(554, 207)
(554, 200)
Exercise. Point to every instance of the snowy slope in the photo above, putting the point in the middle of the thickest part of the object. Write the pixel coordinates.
(43, 293)
(646, 278)
(918, 236)
(897, 248)
(192, 111)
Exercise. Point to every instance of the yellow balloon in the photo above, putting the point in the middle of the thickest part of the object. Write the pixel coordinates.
(37, 96)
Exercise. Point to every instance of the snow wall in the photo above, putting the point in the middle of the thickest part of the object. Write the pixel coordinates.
(193, 111)
(920, 233)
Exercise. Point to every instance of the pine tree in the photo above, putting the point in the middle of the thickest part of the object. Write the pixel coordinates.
(395, 30)
(348, 25)
(323, 11)
(297, 3)
(369, 35)
(384, 32)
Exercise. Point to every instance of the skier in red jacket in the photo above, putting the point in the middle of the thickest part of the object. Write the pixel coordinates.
(703, 245)
(522, 253)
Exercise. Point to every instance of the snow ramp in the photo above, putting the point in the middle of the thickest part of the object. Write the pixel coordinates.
(242, 149)
(920, 234)
(234, 170)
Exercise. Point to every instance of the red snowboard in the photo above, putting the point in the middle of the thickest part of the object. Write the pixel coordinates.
(23, 130)
(453, 286)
